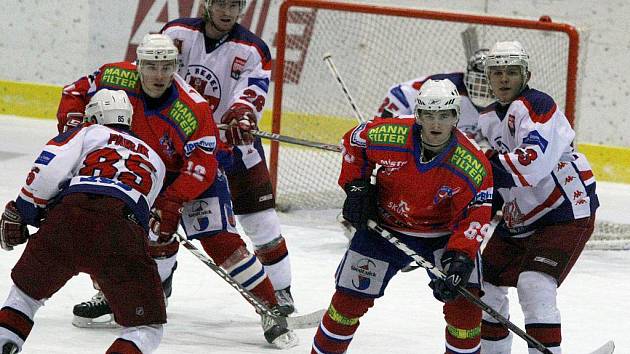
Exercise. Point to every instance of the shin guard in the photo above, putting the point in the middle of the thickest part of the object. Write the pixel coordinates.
(228, 251)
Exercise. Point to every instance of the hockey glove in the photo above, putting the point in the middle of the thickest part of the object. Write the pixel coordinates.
(457, 268)
(165, 218)
(13, 231)
(241, 120)
(72, 120)
(360, 203)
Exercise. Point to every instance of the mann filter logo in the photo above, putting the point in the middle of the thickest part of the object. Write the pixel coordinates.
(117, 77)
(389, 134)
(469, 164)
(184, 117)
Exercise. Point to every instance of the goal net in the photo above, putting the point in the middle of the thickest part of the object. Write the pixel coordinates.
(373, 48)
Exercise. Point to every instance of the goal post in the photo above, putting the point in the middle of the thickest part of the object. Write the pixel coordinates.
(375, 47)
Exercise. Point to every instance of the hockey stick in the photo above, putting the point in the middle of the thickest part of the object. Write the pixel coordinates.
(309, 320)
(333, 69)
(533, 342)
(290, 140)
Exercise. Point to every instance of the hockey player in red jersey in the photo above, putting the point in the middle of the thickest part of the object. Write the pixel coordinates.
(547, 194)
(94, 185)
(231, 66)
(434, 192)
(176, 121)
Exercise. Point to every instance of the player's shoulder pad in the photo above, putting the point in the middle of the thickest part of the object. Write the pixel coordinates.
(188, 23)
(68, 135)
(469, 160)
(244, 36)
(539, 105)
(396, 132)
(188, 108)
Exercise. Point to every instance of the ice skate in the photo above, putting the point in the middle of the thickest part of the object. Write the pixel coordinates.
(286, 305)
(9, 348)
(280, 337)
(95, 313)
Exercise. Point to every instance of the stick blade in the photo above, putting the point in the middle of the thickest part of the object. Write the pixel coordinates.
(310, 320)
(607, 348)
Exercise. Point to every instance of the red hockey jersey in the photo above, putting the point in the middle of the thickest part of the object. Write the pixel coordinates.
(179, 127)
(451, 194)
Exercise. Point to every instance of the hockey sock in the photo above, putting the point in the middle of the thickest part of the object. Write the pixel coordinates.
(463, 326)
(122, 346)
(495, 338)
(228, 251)
(16, 317)
(537, 294)
(337, 328)
(274, 256)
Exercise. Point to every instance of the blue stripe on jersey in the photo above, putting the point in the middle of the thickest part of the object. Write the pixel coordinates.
(400, 96)
(456, 78)
(263, 83)
(196, 23)
(242, 34)
(540, 102)
(31, 214)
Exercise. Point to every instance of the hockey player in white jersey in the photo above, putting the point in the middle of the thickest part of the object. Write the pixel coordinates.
(230, 66)
(471, 85)
(89, 192)
(546, 191)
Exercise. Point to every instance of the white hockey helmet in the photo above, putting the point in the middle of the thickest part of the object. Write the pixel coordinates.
(109, 107)
(241, 4)
(475, 79)
(437, 95)
(156, 47)
(508, 53)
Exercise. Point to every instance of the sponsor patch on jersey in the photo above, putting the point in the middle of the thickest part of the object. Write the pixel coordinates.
(183, 116)
(465, 161)
(206, 144)
(389, 134)
(118, 77)
(482, 197)
(237, 67)
(363, 274)
(534, 138)
(44, 158)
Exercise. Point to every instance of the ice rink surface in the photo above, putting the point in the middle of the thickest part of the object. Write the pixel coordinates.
(205, 315)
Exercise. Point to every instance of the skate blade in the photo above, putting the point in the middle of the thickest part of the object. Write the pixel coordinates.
(286, 341)
(105, 321)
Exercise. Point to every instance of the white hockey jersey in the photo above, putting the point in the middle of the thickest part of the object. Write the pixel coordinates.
(401, 100)
(538, 174)
(93, 159)
(234, 70)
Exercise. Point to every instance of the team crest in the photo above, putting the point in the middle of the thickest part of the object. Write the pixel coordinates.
(445, 192)
(204, 81)
(237, 67)
(167, 145)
